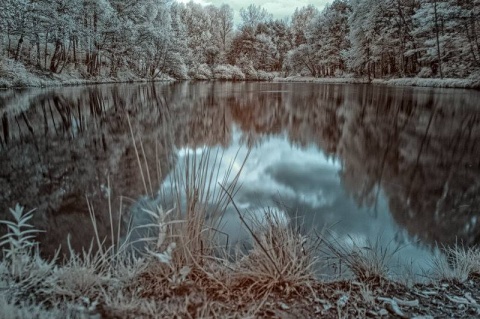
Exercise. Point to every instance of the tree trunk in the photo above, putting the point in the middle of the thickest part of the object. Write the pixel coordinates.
(56, 53)
(75, 51)
(470, 43)
(66, 56)
(474, 32)
(46, 50)
(39, 55)
(19, 47)
(9, 45)
(6, 131)
(437, 31)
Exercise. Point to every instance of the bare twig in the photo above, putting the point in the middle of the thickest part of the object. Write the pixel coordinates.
(257, 240)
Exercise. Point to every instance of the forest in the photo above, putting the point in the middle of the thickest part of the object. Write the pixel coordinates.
(164, 39)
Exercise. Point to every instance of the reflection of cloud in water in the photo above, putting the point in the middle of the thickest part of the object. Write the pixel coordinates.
(184, 151)
(237, 234)
(306, 184)
(383, 136)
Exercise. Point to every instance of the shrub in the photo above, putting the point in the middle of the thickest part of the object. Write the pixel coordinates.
(13, 73)
(264, 76)
(250, 72)
(425, 73)
(228, 72)
(201, 72)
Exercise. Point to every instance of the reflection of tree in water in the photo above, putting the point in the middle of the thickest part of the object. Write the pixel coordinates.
(64, 146)
(306, 116)
(425, 157)
(199, 117)
(420, 147)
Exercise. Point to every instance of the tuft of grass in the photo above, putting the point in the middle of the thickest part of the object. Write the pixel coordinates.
(368, 263)
(26, 310)
(200, 204)
(281, 259)
(456, 263)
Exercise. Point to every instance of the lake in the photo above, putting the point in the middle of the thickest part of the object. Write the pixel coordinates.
(371, 163)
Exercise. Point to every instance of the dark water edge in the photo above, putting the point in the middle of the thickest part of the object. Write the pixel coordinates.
(410, 155)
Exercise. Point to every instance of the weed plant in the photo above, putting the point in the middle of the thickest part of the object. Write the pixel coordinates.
(181, 271)
(181, 266)
(369, 263)
(456, 263)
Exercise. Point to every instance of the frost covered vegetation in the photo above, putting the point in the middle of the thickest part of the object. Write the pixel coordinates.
(183, 272)
(124, 40)
(180, 275)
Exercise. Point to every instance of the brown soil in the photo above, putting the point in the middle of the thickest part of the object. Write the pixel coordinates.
(340, 299)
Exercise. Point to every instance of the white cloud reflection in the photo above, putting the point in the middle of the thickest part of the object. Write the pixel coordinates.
(308, 185)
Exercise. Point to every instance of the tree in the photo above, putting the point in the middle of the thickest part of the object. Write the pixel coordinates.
(253, 15)
(16, 21)
(328, 34)
(302, 58)
(147, 38)
(224, 18)
(301, 20)
(446, 34)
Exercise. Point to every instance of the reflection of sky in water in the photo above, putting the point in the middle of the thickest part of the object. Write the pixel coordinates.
(306, 184)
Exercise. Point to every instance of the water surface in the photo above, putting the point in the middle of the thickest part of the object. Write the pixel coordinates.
(369, 162)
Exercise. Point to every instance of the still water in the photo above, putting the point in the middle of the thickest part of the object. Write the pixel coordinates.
(368, 162)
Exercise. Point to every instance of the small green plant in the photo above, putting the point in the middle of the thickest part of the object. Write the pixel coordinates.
(20, 236)
(22, 268)
(21, 254)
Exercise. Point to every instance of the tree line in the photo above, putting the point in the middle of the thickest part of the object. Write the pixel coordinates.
(153, 38)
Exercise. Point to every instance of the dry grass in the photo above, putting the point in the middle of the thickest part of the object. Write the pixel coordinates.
(369, 263)
(457, 263)
(278, 272)
(282, 260)
(181, 272)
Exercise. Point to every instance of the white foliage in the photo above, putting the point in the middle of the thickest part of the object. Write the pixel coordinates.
(228, 72)
(201, 72)
(117, 40)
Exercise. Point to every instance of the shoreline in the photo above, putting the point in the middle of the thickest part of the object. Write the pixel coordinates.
(181, 278)
(412, 82)
(183, 275)
(44, 82)
(23, 78)
(15, 75)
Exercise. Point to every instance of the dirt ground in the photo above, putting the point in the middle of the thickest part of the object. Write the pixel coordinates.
(339, 299)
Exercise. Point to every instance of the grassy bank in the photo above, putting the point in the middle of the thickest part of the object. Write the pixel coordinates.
(180, 268)
(472, 82)
(311, 79)
(15, 75)
(185, 277)
(469, 83)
